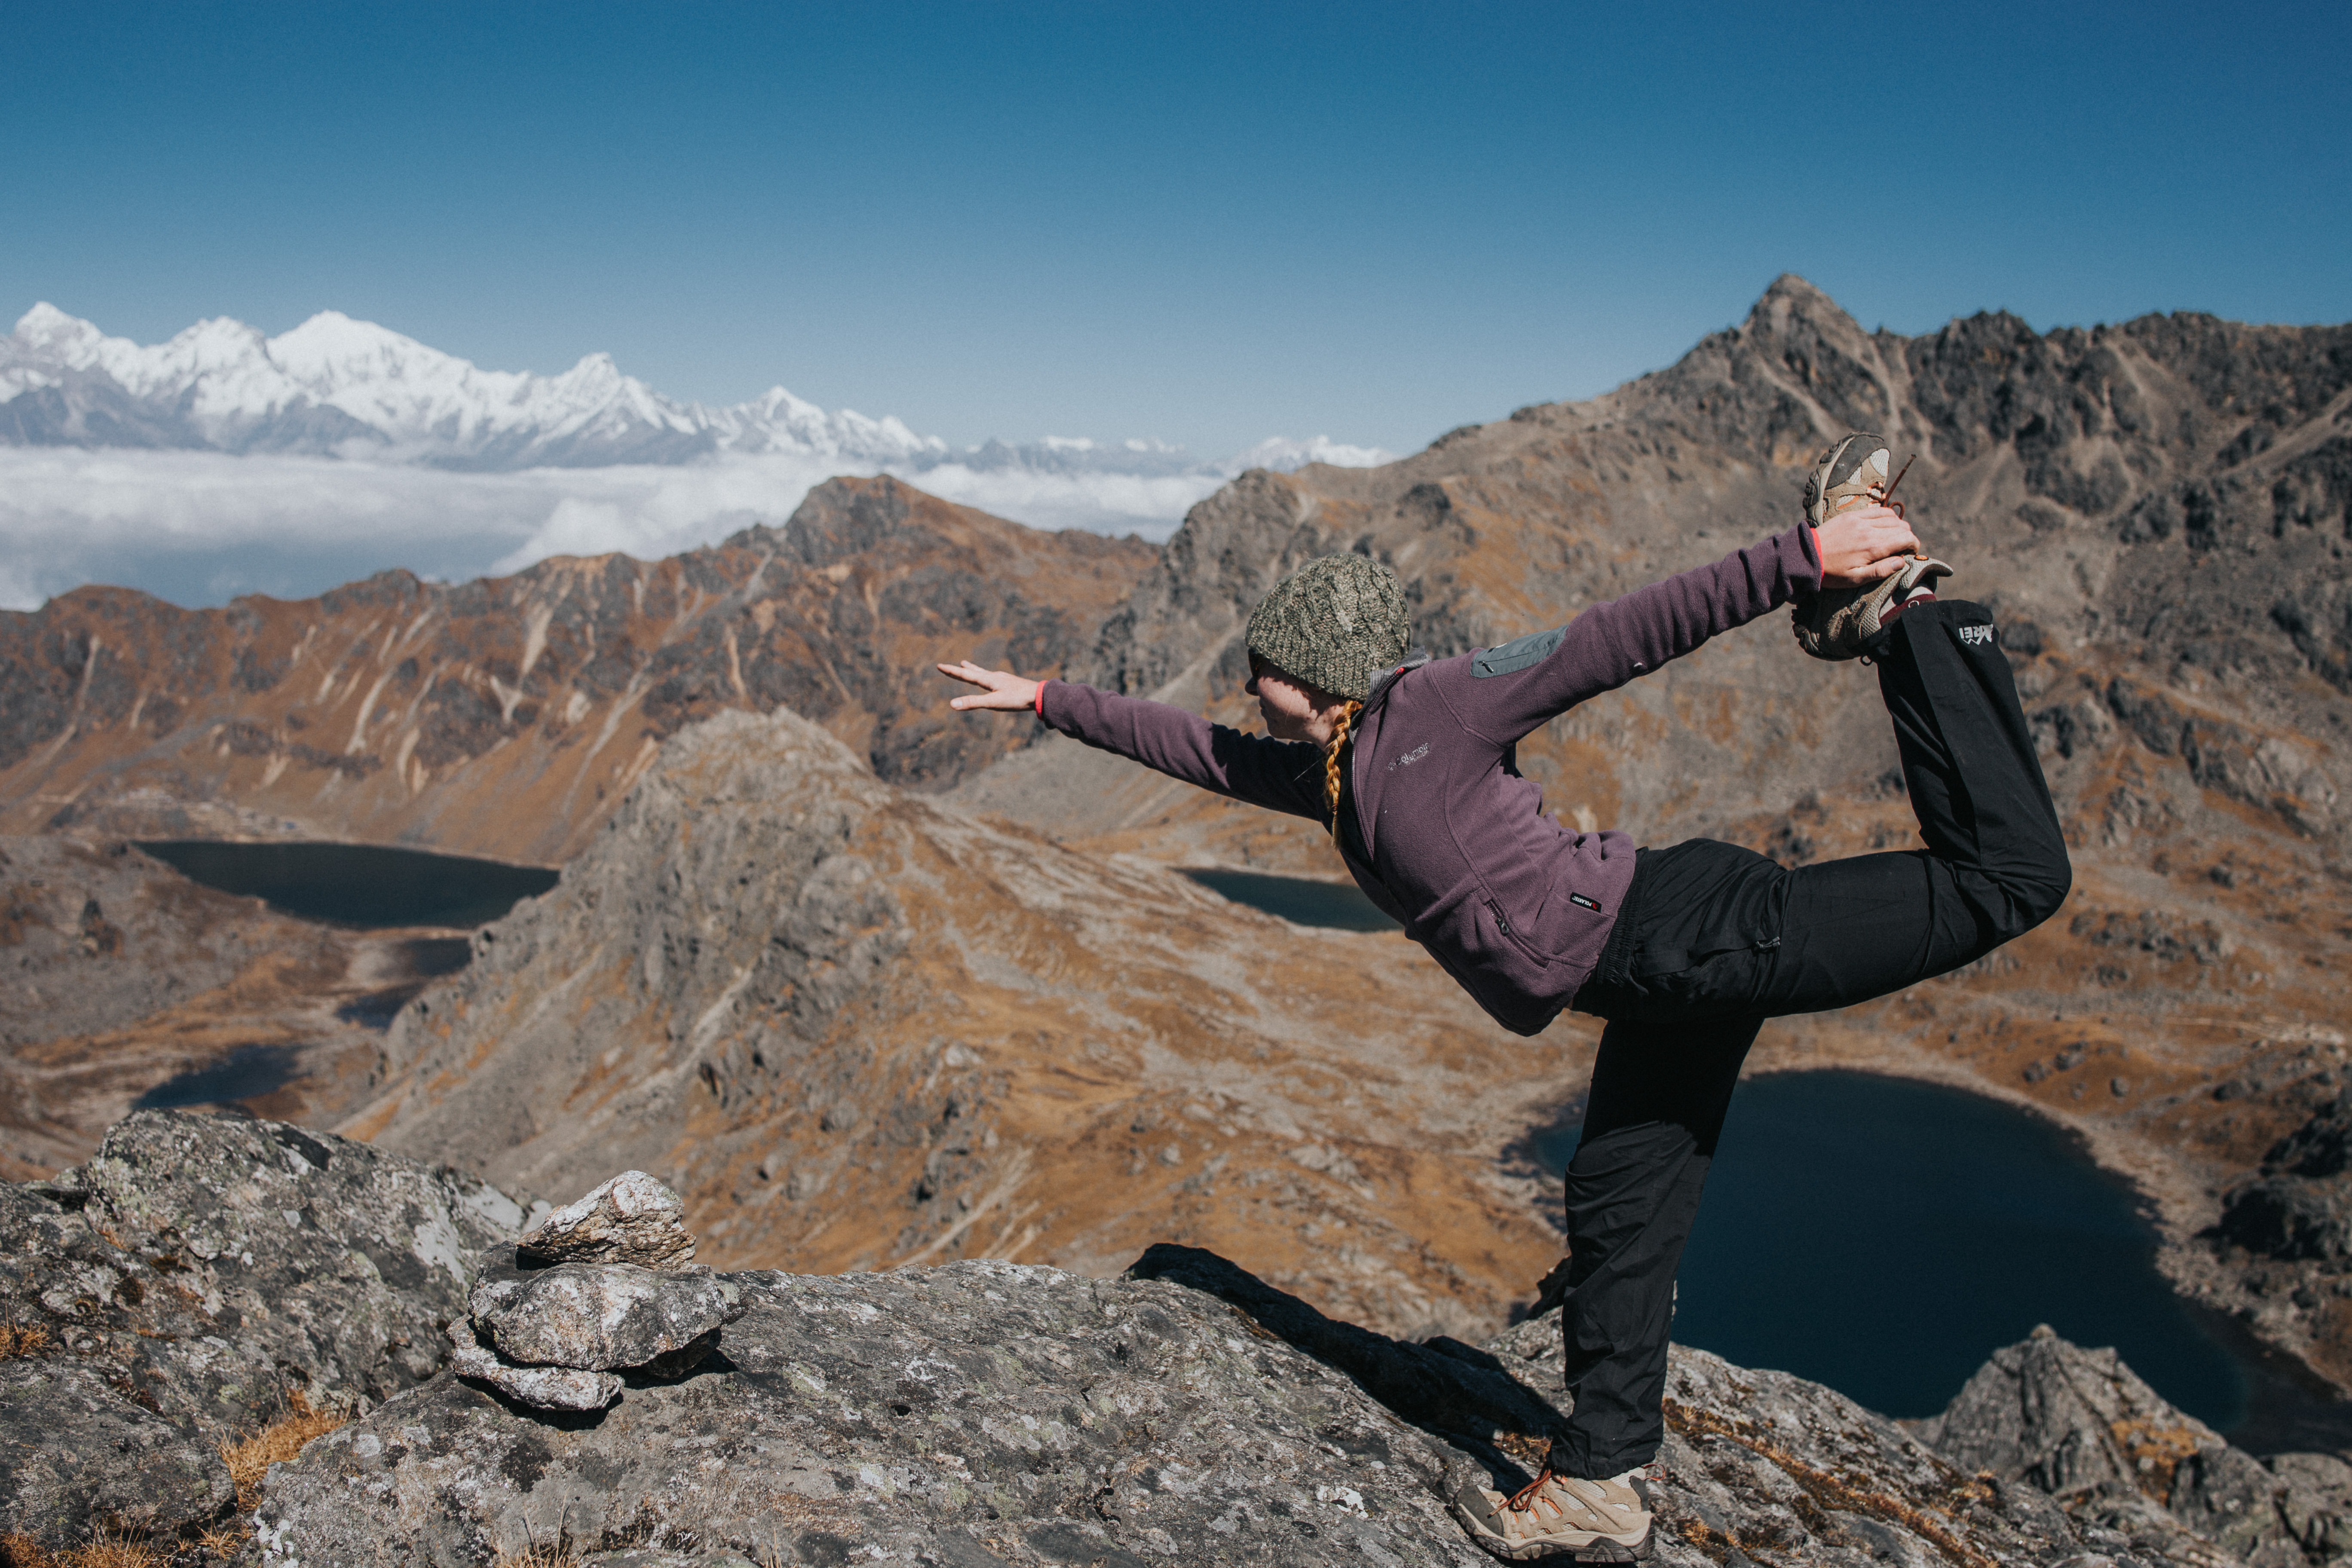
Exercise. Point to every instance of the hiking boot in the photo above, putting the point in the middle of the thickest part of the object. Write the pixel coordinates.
(1845, 475)
(1559, 1516)
(1838, 623)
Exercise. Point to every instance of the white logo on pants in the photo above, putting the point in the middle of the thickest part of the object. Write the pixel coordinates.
(1977, 635)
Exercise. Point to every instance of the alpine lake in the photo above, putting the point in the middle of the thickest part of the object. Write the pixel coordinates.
(362, 887)
(1876, 1234)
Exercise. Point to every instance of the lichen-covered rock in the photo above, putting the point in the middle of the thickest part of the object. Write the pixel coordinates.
(2065, 1419)
(171, 1294)
(974, 1413)
(541, 1387)
(203, 1265)
(2232, 1498)
(2318, 1507)
(633, 1218)
(75, 1455)
(989, 1413)
(1765, 1466)
(602, 1317)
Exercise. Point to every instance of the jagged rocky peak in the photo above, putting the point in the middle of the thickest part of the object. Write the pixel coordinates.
(2080, 1426)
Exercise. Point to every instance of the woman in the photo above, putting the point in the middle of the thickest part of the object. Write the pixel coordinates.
(1685, 950)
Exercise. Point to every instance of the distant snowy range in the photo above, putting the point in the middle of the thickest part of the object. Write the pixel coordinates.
(225, 462)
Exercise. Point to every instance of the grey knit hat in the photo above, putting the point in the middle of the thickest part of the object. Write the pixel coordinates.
(1335, 623)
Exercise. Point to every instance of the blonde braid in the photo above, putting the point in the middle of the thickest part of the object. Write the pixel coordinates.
(1331, 762)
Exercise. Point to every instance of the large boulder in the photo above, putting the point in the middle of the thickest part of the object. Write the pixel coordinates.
(175, 1292)
(76, 1455)
(2298, 1206)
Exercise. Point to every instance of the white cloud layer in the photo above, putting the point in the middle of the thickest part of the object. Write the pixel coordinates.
(198, 528)
(288, 465)
(201, 527)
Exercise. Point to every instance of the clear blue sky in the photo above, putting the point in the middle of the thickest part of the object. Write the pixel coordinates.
(1198, 222)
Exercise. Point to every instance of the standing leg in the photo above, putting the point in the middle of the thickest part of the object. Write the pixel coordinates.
(1659, 1094)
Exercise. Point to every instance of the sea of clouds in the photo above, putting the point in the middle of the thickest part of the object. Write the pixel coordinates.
(200, 528)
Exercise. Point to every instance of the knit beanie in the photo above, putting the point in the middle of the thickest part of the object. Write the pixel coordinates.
(1335, 623)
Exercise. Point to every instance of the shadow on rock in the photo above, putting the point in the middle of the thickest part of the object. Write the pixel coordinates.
(1457, 1392)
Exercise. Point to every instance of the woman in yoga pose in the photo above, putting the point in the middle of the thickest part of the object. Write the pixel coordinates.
(1684, 951)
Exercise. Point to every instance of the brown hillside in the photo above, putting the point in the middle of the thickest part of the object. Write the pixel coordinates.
(506, 717)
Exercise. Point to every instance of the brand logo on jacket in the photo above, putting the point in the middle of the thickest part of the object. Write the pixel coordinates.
(1410, 757)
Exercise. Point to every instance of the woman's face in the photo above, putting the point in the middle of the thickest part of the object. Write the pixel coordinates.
(1294, 710)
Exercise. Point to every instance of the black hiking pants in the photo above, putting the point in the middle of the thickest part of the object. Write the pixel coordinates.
(1713, 938)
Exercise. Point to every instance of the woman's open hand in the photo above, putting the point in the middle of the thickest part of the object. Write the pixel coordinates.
(1004, 689)
(1863, 544)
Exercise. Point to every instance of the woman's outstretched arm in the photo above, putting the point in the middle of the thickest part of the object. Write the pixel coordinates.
(1282, 775)
(1610, 644)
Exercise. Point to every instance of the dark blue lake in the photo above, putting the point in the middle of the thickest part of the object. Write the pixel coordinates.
(1883, 1237)
(245, 1073)
(365, 885)
(1299, 900)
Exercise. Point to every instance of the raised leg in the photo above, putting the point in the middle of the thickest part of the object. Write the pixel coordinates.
(1995, 865)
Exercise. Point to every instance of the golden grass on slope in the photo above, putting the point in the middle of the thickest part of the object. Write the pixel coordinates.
(16, 1340)
(111, 1549)
(249, 1460)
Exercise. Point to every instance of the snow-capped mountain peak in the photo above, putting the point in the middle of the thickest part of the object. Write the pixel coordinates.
(337, 387)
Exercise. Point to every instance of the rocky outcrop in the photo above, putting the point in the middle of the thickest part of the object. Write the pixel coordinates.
(1186, 1411)
(2300, 1206)
(2080, 1426)
(77, 1457)
(183, 1287)
(507, 717)
(176, 1291)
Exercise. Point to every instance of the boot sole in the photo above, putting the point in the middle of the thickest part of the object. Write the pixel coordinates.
(1575, 1546)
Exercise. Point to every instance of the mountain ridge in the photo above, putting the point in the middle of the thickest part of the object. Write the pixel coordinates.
(484, 717)
(335, 386)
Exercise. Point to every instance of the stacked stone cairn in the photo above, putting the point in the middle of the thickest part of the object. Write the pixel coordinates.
(599, 1292)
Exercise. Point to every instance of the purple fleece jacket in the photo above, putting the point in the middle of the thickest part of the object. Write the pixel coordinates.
(1453, 843)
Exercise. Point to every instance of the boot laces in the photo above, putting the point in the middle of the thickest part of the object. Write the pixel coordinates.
(1524, 1499)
